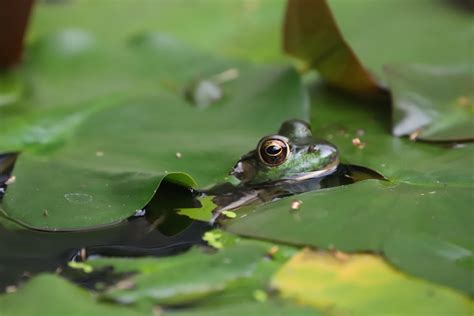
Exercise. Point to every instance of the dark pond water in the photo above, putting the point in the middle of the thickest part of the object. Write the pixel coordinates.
(155, 231)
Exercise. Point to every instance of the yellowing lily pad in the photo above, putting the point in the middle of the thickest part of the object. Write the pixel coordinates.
(363, 285)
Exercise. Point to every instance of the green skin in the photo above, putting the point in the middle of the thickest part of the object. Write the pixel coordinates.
(308, 158)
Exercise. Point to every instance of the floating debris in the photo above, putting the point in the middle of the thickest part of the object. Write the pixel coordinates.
(341, 256)
(10, 180)
(10, 289)
(83, 254)
(178, 155)
(358, 143)
(413, 136)
(213, 239)
(260, 296)
(140, 213)
(99, 153)
(157, 310)
(463, 101)
(203, 93)
(80, 266)
(126, 284)
(45, 213)
(296, 204)
(229, 214)
(360, 132)
(273, 251)
(227, 75)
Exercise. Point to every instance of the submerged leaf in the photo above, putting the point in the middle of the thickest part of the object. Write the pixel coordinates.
(363, 285)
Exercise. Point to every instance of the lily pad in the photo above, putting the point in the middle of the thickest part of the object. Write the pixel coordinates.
(60, 298)
(272, 307)
(422, 32)
(184, 278)
(352, 285)
(311, 34)
(432, 103)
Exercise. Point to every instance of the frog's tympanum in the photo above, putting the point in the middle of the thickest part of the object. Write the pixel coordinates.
(291, 155)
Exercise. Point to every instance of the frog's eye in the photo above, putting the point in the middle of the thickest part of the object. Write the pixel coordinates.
(273, 150)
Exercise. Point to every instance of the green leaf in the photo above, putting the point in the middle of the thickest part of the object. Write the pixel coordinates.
(432, 257)
(422, 31)
(363, 285)
(76, 197)
(204, 213)
(52, 295)
(272, 307)
(432, 103)
(184, 278)
(311, 34)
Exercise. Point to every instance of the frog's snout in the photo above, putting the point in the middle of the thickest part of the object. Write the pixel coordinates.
(244, 170)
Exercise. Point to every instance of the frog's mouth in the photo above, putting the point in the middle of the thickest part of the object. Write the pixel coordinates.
(328, 169)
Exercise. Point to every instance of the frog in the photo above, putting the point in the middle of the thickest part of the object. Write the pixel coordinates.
(293, 154)
(292, 161)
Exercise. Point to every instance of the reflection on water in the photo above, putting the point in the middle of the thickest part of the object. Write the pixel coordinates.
(158, 230)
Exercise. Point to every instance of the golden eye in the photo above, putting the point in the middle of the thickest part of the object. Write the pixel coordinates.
(273, 150)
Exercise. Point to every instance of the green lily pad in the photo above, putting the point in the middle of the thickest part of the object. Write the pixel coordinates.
(311, 34)
(422, 32)
(452, 263)
(272, 307)
(185, 278)
(60, 298)
(432, 103)
(70, 203)
(352, 285)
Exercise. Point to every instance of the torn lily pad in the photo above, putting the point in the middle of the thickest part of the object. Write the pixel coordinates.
(434, 103)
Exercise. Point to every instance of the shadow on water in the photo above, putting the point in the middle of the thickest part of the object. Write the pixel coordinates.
(157, 230)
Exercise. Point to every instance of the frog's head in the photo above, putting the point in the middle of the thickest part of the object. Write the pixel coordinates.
(292, 154)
